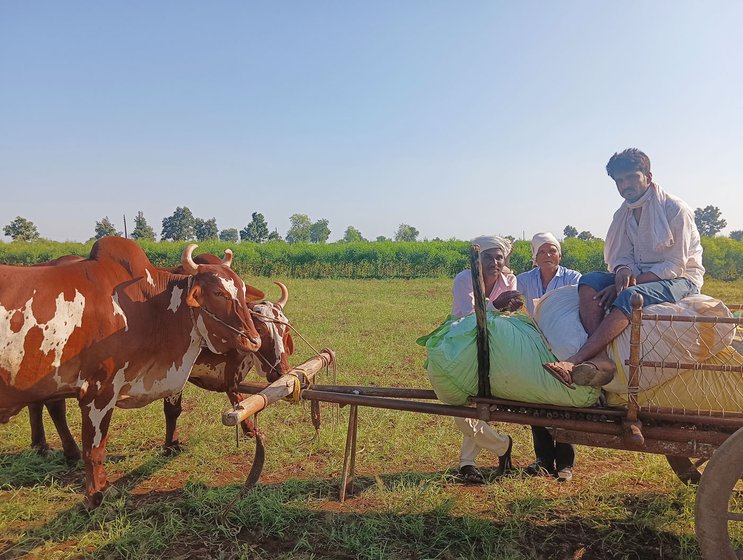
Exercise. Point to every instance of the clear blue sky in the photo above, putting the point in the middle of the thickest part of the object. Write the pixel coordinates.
(458, 118)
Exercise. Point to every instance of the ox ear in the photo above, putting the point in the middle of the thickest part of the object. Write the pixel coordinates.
(289, 342)
(193, 295)
(253, 294)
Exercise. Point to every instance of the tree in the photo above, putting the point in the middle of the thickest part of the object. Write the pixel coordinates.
(257, 230)
(352, 234)
(737, 234)
(585, 235)
(709, 220)
(180, 226)
(21, 229)
(229, 234)
(406, 233)
(319, 232)
(381, 238)
(570, 231)
(274, 236)
(105, 228)
(142, 230)
(300, 229)
(206, 229)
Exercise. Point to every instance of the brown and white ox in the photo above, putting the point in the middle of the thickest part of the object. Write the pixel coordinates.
(113, 330)
(213, 372)
(223, 372)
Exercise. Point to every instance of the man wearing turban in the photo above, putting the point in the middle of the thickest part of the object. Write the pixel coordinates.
(500, 288)
(552, 458)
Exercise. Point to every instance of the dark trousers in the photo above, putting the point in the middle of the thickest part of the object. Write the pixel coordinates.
(552, 454)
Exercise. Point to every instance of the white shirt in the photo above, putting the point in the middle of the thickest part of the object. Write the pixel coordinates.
(637, 245)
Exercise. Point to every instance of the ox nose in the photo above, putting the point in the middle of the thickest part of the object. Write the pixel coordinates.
(251, 342)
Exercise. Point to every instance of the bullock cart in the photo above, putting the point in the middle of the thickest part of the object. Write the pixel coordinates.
(703, 444)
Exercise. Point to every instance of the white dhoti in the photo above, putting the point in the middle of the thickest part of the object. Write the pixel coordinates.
(479, 435)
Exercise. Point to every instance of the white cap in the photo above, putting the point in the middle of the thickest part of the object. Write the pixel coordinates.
(487, 242)
(540, 239)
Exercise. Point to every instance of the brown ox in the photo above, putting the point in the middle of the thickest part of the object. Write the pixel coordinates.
(112, 330)
(214, 372)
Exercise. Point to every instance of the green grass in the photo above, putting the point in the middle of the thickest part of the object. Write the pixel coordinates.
(619, 505)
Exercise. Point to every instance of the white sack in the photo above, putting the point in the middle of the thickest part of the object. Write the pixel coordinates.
(557, 315)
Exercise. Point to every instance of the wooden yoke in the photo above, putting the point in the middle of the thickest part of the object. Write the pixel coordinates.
(290, 383)
(483, 348)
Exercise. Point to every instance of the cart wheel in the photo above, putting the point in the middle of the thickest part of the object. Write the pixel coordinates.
(719, 508)
(688, 470)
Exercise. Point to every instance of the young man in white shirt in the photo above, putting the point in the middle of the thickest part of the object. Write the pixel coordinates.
(652, 248)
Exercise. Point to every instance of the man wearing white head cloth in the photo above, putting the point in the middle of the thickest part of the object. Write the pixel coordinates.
(500, 283)
(500, 287)
(547, 274)
(552, 458)
(652, 249)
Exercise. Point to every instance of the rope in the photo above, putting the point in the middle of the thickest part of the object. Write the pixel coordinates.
(287, 324)
(297, 389)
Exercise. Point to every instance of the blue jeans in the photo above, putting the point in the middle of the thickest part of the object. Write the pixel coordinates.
(660, 291)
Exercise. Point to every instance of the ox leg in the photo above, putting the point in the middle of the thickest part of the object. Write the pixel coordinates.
(172, 407)
(58, 412)
(95, 436)
(38, 436)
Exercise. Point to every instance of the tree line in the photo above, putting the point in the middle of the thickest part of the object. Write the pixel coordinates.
(182, 225)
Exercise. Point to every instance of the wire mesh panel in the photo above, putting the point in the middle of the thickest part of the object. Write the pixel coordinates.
(691, 365)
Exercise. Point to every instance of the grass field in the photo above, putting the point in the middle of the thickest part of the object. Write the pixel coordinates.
(407, 505)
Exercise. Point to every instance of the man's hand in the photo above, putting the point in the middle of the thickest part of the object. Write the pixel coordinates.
(508, 301)
(606, 297)
(623, 279)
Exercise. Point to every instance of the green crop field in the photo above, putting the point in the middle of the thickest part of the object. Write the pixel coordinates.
(406, 505)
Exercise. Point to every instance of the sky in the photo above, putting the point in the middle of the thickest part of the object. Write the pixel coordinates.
(458, 118)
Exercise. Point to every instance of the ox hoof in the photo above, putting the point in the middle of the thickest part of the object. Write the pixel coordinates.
(41, 448)
(94, 500)
(72, 457)
(173, 448)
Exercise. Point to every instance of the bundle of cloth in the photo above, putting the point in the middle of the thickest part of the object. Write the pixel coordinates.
(557, 317)
(517, 352)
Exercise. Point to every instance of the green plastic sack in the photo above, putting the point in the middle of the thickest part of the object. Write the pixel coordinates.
(517, 352)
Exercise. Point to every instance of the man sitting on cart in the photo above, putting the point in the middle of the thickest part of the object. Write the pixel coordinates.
(652, 248)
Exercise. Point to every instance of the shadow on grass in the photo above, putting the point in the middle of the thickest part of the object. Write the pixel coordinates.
(302, 519)
(28, 468)
(76, 520)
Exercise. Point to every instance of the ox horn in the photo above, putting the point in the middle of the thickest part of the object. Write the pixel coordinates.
(189, 267)
(284, 295)
(227, 260)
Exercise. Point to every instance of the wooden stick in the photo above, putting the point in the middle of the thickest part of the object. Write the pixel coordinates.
(282, 387)
(483, 347)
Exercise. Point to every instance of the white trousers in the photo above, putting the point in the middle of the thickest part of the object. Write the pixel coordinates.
(478, 435)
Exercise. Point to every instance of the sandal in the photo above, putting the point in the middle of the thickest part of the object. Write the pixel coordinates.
(504, 461)
(468, 474)
(560, 379)
(589, 374)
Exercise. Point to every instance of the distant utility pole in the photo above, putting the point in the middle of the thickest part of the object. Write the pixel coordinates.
(125, 233)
